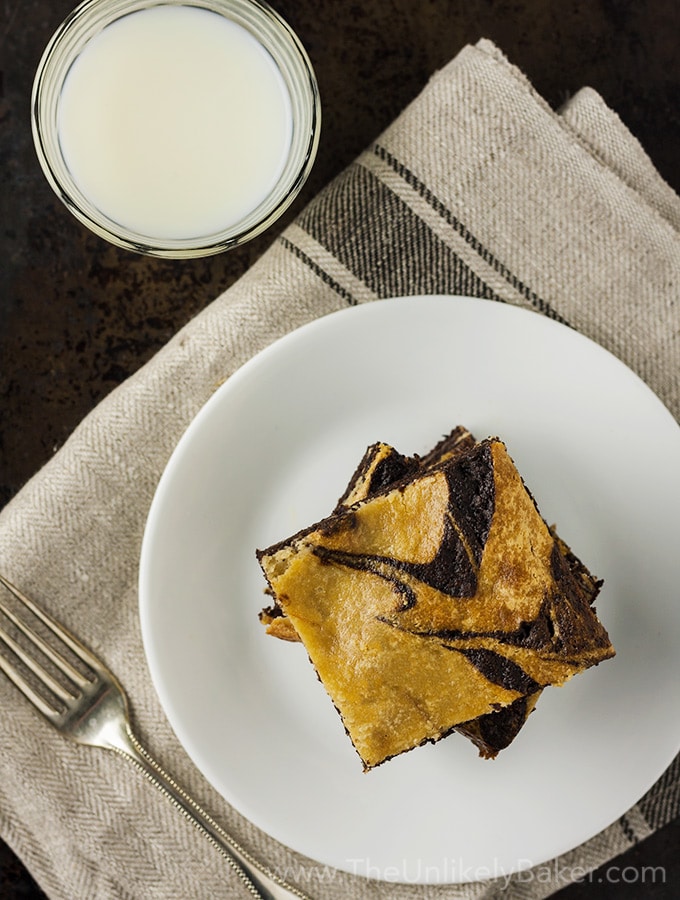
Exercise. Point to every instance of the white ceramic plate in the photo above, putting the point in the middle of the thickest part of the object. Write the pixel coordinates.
(271, 452)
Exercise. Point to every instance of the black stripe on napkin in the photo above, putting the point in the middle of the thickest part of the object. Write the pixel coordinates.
(316, 268)
(382, 242)
(488, 257)
(662, 801)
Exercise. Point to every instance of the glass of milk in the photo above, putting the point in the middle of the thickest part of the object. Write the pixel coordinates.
(175, 129)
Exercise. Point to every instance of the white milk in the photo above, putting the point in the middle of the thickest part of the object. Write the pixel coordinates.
(175, 122)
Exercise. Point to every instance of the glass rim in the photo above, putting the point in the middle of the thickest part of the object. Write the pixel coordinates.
(272, 32)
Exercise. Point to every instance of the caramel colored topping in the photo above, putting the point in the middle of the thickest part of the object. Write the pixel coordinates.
(441, 600)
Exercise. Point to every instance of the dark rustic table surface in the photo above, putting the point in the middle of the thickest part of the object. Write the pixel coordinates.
(78, 316)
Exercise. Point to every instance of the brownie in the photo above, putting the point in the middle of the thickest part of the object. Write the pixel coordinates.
(439, 602)
(380, 467)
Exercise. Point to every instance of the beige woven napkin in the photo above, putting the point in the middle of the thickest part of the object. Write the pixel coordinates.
(478, 188)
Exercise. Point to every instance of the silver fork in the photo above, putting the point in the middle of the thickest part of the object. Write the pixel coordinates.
(92, 709)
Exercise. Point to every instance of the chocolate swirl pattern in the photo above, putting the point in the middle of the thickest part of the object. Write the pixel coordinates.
(439, 602)
(380, 467)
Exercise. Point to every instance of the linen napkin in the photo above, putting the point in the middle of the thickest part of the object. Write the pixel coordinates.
(477, 188)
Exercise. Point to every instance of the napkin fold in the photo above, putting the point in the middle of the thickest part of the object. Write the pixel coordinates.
(478, 188)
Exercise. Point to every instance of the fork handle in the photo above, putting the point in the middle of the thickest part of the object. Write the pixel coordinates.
(258, 881)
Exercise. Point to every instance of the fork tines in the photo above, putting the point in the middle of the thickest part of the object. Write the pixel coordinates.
(37, 654)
